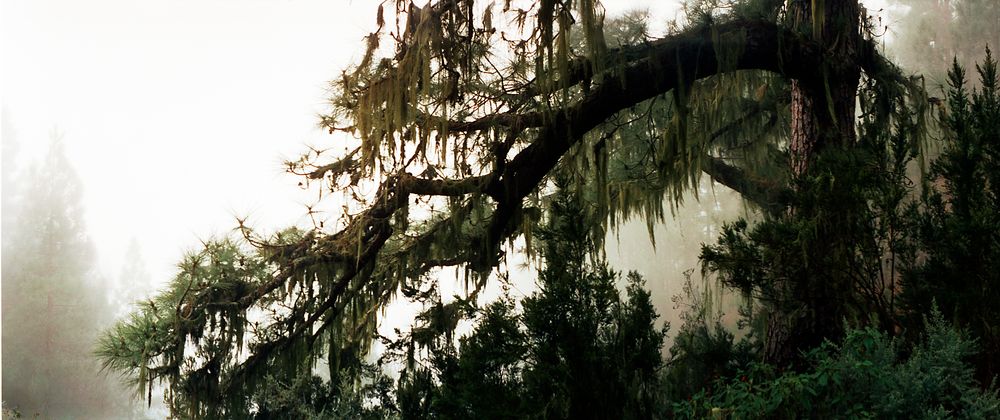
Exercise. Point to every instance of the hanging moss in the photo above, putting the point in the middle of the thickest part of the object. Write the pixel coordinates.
(457, 102)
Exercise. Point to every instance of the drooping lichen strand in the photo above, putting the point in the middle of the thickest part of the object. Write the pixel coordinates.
(454, 123)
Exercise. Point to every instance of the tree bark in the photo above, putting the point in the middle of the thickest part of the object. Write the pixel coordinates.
(822, 116)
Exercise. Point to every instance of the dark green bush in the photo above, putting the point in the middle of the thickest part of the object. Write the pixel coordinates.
(864, 376)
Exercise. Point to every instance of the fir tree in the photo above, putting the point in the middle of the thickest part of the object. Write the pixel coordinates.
(957, 225)
(52, 299)
(475, 110)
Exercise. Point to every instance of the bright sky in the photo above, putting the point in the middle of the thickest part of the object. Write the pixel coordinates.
(177, 113)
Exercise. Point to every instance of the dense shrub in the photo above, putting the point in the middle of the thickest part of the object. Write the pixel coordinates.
(864, 376)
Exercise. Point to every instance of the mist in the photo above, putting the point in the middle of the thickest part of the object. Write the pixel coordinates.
(134, 131)
(156, 125)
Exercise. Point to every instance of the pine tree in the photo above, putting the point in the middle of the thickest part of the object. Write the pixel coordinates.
(52, 299)
(958, 225)
(458, 127)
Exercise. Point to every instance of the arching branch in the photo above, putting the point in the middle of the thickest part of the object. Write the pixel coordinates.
(679, 59)
(666, 64)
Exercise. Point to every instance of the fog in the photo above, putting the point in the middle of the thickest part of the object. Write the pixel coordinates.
(174, 115)
(160, 122)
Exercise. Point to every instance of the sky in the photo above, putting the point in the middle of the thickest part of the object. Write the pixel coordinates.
(178, 114)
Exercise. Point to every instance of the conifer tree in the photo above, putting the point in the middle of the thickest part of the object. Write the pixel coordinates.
(958, 225)
(457, 119)
(53, 301)
(579, 348)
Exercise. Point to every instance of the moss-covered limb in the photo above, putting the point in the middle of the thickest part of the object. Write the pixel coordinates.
(368, 234)
(516, 121)
(354, 273)
(443, 187)
(687, 56)
(878, 67)
(581, 68)
(418, 254)
(360, 258)
(769, 195)
(197, 312)
(265, 352)
(691, 48)
(308, 323)
(346, 164)
(754, 110)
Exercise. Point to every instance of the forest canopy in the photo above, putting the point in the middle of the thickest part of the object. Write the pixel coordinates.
(464, 128)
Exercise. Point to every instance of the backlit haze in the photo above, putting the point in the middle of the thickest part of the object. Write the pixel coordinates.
(178, 114)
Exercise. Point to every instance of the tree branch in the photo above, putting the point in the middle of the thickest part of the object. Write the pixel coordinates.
(668, 63)
(769, 195)
(674, 61)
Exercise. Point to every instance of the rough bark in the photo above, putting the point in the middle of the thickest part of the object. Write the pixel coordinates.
(803, 133)
(823, 115)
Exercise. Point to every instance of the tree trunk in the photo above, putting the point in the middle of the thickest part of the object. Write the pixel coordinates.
(822, 116)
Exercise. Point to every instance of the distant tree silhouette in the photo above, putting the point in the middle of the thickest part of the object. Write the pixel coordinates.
(53, 300)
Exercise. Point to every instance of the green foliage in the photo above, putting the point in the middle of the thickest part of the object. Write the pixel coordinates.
(310, 397)
(491, 121)
(149, 347)
(704, 350)
(578, 348)
(482, 379)
(957, 226)
(863, 376)
(838, 252)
